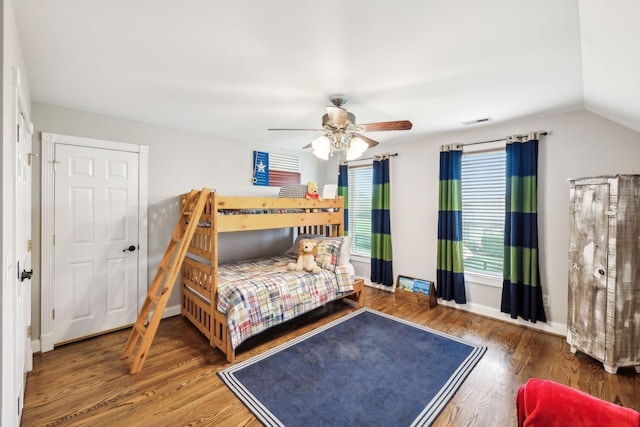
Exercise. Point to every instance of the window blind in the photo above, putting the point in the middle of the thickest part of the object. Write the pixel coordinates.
(483, 198)
(360, 189)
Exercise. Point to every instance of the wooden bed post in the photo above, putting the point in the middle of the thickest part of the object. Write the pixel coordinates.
(221, 336)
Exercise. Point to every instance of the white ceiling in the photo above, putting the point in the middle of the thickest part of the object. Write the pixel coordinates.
(235, 68)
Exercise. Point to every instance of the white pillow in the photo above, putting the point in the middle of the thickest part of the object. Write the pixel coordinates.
(344, 257)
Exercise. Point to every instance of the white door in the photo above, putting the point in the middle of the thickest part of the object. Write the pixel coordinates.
(96, 241)
(22, 348)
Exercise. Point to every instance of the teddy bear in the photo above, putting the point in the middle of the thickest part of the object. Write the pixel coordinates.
(307, 250)
(312, 192)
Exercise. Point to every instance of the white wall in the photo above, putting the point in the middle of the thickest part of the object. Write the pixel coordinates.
(178, 162)
(579, 144)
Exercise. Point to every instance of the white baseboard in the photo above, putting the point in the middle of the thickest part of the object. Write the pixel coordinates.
(174, 310)
(367, 282)
(494, 313)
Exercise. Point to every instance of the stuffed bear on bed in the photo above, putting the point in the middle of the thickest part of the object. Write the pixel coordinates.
(307, 250)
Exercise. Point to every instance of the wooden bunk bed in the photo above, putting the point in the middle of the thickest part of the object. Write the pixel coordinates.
(221, 214)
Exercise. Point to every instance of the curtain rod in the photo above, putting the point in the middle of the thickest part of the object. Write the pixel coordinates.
(542, 133)
(369, 158)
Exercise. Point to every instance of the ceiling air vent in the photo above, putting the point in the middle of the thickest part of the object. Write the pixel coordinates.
(476, 121)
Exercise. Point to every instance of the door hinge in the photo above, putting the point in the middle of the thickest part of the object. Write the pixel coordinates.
(53, 314)
(29, 245)
(29, 331)
(54, 240)
(30, 157)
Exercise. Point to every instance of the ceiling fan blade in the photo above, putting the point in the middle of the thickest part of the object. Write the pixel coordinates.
(383, 126)
(315, 130)
(337, 116)
(370, 142)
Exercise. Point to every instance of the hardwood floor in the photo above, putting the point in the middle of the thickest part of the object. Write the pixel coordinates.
(86, 383)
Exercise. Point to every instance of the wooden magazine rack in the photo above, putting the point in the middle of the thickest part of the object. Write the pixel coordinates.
(418, 291)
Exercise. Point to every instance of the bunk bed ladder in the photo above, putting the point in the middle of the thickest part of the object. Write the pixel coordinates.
(160, 289)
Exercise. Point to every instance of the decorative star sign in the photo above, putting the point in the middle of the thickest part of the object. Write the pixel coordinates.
(261, 166)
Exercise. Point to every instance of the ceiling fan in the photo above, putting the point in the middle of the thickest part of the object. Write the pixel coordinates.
(342, 134)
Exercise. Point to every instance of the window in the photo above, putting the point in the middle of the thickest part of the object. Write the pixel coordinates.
(483, 198)
(360, 185)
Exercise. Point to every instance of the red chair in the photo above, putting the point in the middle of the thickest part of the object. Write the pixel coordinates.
(545, 403)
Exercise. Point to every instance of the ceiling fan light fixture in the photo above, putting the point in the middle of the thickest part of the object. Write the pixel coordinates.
(353, 154)
(324, 155)
(355, 148)
(322, 147)
(358, 144)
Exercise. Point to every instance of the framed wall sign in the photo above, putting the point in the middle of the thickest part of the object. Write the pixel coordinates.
(275, 170)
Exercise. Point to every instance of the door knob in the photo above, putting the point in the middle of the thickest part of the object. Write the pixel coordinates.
(26, 275)
(130, 249)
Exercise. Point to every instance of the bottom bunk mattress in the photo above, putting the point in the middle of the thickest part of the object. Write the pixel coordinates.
(258, 294)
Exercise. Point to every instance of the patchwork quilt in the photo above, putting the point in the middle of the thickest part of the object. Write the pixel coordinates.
(261, 293)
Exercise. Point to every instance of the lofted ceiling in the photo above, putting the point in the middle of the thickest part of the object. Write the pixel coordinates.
(235, 68)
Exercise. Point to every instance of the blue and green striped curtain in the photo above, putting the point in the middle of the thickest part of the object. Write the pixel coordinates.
(343, 190)
(521, 291)
(450, 268)
(381, 259)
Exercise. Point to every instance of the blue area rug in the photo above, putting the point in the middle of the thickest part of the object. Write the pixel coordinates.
(364, 369)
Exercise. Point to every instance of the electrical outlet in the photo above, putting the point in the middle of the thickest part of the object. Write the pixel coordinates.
(545, 300)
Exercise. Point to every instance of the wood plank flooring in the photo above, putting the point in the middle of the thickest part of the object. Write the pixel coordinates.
(86, 383)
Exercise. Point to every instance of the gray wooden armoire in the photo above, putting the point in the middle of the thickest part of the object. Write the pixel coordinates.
(604, 270)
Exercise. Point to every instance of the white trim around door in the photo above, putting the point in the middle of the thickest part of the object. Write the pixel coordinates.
(49, 140)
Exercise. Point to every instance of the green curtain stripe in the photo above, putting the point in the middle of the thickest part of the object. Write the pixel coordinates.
(450, 263)
(450, 195)
(525, 272)
(381, 246)
(524, 190)
(380, 197)
(344, 192)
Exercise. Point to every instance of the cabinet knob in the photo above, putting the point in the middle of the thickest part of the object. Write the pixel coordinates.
(601, 271)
